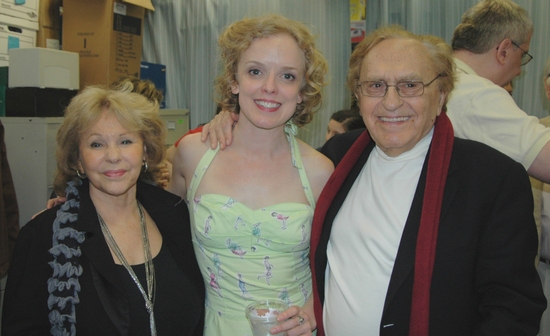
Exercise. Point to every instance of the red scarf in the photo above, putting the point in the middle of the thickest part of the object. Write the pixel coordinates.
(438, 166)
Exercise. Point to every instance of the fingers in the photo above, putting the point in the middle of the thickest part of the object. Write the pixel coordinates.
(55, 201)
(163, 176)
(38, 213)
(217, 136)
(295, 322)
(205, 131)
(219, 130)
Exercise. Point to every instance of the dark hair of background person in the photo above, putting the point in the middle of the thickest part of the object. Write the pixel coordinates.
(350, 119)
(144, 87)
(353, 123)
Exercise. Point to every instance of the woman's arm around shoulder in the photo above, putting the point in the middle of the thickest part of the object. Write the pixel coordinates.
(187, 156)
(318, 167)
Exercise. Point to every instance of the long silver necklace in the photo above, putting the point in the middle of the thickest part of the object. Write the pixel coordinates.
(149, 297)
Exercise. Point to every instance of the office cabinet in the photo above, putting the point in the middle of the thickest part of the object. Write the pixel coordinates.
(177, 124)
(30, 144)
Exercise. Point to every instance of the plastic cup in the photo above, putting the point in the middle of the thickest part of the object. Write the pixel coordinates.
(262, 316)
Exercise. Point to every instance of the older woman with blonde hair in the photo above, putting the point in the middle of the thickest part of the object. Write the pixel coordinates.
(254, 201)
(115, 258)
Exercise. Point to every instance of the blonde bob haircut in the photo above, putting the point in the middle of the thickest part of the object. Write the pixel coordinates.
(440, 53)
(237, 37)
(134, 111)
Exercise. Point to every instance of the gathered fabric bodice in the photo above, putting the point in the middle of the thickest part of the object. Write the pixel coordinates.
(246, 254)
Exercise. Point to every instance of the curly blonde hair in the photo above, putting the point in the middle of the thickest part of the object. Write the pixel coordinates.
(237, 37)
(134, 111)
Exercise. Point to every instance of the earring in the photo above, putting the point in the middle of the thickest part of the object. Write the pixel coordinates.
(144, 167)
(81, 175)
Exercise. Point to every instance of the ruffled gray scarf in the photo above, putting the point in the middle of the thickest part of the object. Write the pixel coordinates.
(63, 286)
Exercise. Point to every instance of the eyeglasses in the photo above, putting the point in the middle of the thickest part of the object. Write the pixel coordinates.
(525, 57)
(404, 89)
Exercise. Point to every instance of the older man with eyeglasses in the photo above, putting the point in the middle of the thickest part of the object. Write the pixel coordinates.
(490, 46)
(418, 232)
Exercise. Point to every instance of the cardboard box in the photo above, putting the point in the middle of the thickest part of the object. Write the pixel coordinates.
(26, 10)
(107, 34)
(45, 68)
(49, 21)
(48, 38)
(12, 37)
(37, 102)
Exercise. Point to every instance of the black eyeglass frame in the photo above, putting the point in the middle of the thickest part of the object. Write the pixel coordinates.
(421, 92)
(525, 57)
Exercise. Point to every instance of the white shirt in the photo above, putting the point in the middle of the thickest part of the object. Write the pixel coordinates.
(545, 212)
(365, 238)
(482, 111)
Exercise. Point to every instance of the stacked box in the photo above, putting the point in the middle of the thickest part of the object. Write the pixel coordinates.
(49, 21)
(43, 67)
(26, 12)
(107, 34)
(12, 37)
(37, 102)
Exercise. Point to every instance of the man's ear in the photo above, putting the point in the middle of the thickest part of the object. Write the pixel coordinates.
(503, 50)
(442, 97)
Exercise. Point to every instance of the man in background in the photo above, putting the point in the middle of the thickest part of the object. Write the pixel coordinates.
(542, 203)
(490, 46)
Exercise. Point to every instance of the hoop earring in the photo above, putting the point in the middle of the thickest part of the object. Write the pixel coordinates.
(144, 167)
(81, 175)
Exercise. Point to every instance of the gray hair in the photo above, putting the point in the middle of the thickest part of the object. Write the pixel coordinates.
(488, 23)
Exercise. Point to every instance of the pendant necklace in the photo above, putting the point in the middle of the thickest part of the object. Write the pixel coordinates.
(149, 297)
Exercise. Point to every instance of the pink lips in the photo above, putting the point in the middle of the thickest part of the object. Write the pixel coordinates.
(115, 173)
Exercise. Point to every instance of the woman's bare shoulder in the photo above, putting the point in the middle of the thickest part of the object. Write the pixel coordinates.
(318, 167)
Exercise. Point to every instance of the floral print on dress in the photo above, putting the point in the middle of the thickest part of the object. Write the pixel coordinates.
(305, 292)
(214, 282)
(207, 226)
(285, 296)
(268, 267)
(234, 248)
(242, 286)
(196, 202)
(280, 217)
(217, 264)
(228, 204)
(238, 221)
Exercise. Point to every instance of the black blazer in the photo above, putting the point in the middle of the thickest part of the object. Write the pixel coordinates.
(484, 280)
(103, 308)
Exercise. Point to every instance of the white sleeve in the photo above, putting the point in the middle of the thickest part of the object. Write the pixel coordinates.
(485, 112)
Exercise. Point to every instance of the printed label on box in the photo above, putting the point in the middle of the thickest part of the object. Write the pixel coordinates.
(120, 8)
(127, 24)
(13, 42)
